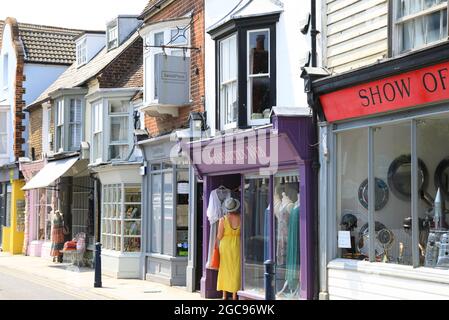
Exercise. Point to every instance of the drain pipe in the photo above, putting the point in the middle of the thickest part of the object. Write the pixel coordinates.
(316, 164)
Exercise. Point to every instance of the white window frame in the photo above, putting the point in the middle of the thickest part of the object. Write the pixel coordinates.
(59, 125)
(149, 58)
(46, 137)
(113, 217)
(81, 52)
(227, 84)
(97, 131)
(249, 106)
(113, 37)
(398, 23)
(76, 122)
(125, 114)
(5, 71)
(5, 133)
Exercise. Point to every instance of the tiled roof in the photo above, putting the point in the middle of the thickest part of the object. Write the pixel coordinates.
(75, 77)
(45, 44)
(149, 6)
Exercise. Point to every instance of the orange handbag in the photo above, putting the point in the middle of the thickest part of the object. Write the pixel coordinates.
(215, 262)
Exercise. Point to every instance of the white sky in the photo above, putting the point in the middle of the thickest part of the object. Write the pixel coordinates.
(79, 14)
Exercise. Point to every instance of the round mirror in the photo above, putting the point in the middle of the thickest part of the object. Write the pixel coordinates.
(400, 177)
(380, 194)
(441, 177)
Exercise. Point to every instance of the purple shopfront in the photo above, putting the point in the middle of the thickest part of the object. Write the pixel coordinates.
(267, 167)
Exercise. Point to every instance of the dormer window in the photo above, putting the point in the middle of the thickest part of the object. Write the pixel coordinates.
(112, 37)
(81, 52)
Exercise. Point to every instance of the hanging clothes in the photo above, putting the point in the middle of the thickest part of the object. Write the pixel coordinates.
(292, 273)
(215, 211)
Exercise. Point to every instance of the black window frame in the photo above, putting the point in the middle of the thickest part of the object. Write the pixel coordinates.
(240, 28)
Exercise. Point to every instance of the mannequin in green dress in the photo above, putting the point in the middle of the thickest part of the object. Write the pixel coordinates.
(292, 264)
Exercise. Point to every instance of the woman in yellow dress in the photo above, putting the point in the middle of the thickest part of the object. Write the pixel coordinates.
(229, 237)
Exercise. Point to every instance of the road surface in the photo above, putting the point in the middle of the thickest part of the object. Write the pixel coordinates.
(19, 288)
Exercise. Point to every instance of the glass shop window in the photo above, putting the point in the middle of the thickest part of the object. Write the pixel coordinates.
(433, 199)
(392, 215)
(352, 182)
(286, 245)
(256, 232)
(43, 209)
(182, 210)
(121, 217)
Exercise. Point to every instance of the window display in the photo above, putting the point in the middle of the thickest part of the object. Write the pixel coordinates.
(256, 209)
(287, 255)
(352, 170)
(44, 207)
(169, 209)
(434, 234)
(121, 220)
(392, 147)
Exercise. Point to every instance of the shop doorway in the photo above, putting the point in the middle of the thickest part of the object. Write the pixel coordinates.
(199, 236)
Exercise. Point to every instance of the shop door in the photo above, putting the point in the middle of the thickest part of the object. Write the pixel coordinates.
(199, 236)
(80, 207)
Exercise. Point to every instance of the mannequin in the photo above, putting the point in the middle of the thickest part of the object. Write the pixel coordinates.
(292, 259)
(287, 204)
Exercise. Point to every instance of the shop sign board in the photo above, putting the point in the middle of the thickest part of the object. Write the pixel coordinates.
(406, 90)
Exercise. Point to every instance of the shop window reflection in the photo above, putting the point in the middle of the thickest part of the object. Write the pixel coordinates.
(433, 244)
(392, 166)
(352, 172)
(256, 208)
(286, 224)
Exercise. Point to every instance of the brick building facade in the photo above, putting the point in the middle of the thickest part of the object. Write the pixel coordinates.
(160, 125)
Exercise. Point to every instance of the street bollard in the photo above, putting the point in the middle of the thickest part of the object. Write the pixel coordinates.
(97, 283)
(269, 280)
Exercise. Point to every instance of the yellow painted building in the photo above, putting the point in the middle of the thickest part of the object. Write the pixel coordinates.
(13, 235)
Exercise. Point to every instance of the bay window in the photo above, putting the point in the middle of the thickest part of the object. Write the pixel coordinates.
(119, 129)
(418, 23)
(112, 128)
(121, 217)
(68, 123)
(171, 37)
(246, 72)
(59, 125)
(3, 132)
(75, 124)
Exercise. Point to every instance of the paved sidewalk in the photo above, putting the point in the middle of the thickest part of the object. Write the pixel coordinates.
(79, 282)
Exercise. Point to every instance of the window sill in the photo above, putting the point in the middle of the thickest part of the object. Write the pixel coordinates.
(391, 270)
(158, 109)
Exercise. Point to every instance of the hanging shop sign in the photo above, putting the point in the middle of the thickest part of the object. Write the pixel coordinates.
(410, 89)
